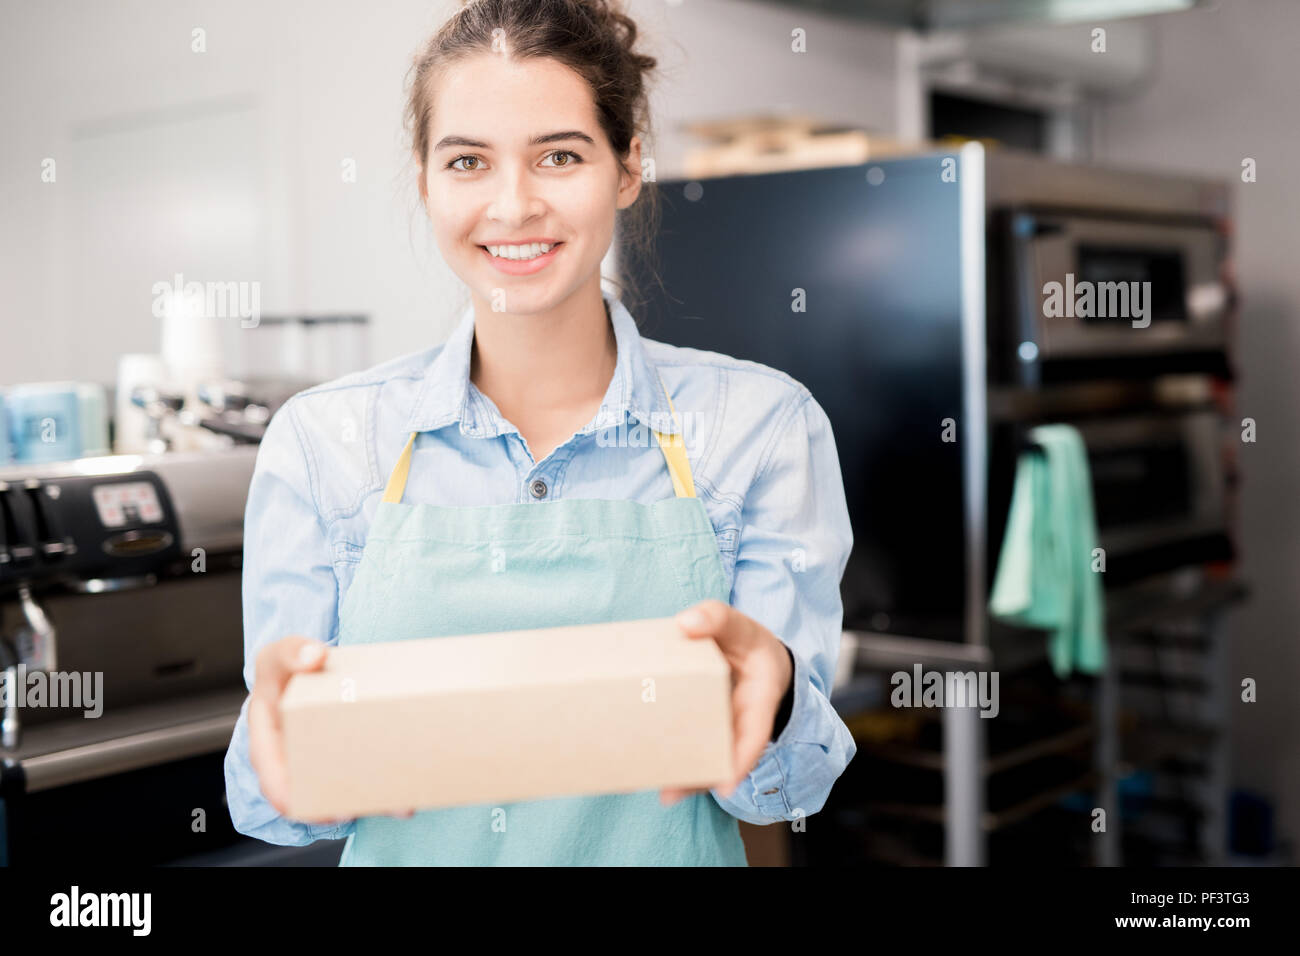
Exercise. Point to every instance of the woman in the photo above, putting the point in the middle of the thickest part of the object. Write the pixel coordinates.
(520, 496)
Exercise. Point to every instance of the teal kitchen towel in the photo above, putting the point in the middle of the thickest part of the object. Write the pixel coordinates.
(1045, 577)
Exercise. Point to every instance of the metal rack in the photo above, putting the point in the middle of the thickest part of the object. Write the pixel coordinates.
(967, 767)
(1201, 727)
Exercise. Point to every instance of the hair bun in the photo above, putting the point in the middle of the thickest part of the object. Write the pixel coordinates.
(611, 15)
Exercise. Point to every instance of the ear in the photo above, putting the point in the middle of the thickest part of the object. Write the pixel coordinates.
(630, 175)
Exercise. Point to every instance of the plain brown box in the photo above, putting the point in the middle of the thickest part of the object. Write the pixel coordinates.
(500, 717)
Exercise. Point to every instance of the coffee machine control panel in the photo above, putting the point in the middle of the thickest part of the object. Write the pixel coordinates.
(107, 528)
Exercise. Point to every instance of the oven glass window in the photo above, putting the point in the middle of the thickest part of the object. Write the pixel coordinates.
(1164, 269)
(1134, 485)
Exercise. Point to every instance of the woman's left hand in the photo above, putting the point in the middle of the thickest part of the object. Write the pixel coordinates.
(761, 671)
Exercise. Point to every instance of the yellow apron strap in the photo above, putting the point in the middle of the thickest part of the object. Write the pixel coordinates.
(397, 480)
(679, 466)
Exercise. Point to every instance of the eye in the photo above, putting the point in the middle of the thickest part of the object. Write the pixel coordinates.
(452, 164)
(565, 152)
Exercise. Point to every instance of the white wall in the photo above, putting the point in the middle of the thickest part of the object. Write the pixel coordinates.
(225, 165)
(1224, 89)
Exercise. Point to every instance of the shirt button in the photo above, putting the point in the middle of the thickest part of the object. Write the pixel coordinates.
(538, 488)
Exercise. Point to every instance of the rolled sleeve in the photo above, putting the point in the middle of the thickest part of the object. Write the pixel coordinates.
(794, 545)
(289, 587)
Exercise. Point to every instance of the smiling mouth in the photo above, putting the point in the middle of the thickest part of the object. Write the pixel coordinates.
(524, 253)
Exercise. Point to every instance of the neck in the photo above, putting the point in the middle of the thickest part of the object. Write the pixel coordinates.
(548, 361)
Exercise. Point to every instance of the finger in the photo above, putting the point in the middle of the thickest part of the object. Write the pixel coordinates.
(736, 634)
(264, 753)
(730, 630)
(279, 661)
(276, 664)
(709, 618)
(752, 728)
(294, 655)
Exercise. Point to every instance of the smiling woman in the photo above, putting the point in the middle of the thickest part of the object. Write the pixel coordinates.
(525, 120)
(484, 175)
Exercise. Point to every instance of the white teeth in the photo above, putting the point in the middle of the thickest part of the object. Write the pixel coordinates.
(531, 251)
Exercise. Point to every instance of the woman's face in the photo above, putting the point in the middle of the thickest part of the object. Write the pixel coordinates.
(489, 181)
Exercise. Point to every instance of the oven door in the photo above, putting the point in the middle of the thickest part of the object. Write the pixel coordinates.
(1182, 310)
(1158, 489)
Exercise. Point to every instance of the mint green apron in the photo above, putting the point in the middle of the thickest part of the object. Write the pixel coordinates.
(433, 571)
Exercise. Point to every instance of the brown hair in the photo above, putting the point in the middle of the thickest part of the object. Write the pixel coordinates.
(592, 37)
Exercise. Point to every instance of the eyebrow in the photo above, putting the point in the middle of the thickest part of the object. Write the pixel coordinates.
(534, 141)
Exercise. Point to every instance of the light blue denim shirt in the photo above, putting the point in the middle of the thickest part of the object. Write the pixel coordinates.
(765, 467)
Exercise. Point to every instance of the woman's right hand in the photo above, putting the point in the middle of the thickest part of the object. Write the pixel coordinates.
(276, 663)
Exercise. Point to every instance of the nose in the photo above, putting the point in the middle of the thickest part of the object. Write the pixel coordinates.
(516, 200)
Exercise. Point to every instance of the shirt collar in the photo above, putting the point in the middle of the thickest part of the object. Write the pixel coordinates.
(447, 395)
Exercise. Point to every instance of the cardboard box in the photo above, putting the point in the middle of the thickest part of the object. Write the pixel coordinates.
(518, 715)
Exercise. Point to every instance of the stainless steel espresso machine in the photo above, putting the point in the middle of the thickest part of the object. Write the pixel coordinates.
(122, 652)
